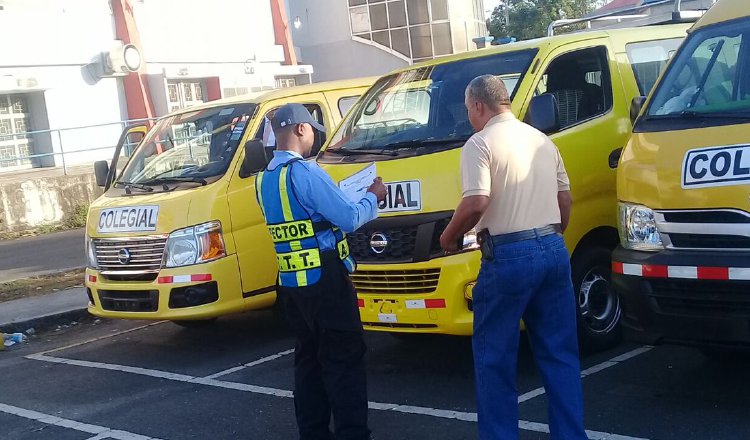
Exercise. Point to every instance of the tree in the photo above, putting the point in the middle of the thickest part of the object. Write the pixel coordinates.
(525, 19)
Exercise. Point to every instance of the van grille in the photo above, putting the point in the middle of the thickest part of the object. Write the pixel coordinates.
(411, 238)
(390, 282)
(702, 297)
(712, 229)
(123, 259)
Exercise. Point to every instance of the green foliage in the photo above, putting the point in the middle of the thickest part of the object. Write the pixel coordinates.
(528, 19)
(77, 218)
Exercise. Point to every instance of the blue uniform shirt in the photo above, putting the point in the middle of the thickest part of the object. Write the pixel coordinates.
(323, 199)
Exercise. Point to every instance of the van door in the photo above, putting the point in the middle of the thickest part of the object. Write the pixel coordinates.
(594, 122)
(593, 114)
(255, 252)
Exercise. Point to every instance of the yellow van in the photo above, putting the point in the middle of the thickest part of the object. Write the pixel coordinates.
(178, 234)
(412, 124)
(683, 269)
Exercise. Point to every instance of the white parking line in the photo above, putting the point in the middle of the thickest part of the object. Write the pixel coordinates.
(112, 335)
(251, 364)
(591, 371)
(101, 432)
(378, 406)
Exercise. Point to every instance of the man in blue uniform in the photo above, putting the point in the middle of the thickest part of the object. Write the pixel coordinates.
(308, 216)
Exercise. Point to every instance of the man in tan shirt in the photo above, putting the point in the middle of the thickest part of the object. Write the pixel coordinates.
(516, 190)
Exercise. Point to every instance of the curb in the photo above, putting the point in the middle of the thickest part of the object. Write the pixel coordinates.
(45, 322)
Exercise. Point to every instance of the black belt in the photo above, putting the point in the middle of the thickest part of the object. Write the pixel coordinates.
(525, 235)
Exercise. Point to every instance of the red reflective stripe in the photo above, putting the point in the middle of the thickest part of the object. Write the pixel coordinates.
(201, 277)
(434, 304)
(92, 278)
(713, 273)
(166, 280)
(361, 303)
(655, 271)
(617, 267)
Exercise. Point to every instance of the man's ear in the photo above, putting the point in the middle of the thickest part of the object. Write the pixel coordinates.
(299, 130)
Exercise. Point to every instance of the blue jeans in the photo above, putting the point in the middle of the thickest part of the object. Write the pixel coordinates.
(531, 280)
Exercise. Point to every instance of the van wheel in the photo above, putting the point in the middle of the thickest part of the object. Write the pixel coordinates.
(198, 323)
(599, 309)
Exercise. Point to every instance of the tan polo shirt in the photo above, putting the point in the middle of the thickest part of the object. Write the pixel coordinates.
(520, 169)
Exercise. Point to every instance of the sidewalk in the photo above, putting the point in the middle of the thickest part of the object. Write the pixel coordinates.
(43, 311)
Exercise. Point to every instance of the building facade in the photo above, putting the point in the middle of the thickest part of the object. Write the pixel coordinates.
(54, 97)
(352, 38)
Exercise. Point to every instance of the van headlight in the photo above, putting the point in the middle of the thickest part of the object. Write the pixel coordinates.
(194, 245)
(638, 230)
(91, 260)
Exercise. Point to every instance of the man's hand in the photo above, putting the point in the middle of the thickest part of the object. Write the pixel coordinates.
(379, 189)
(448, 243)
(468, 213)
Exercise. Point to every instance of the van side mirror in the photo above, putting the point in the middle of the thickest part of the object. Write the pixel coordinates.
(635, 107)
(101, 171)
(256, 158)
(543, 114)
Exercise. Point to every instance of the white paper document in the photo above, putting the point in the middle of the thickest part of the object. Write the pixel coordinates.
(355, 186)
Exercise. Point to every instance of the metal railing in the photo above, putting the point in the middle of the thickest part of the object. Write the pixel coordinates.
(55, 140)
(631, 15)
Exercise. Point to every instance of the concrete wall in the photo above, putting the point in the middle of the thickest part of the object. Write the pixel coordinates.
(350, 59)
(26, 204)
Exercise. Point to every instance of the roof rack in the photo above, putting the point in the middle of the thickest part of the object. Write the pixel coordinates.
(634, 17)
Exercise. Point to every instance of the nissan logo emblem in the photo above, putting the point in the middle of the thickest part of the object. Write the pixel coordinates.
(123, 256)
(378, 242)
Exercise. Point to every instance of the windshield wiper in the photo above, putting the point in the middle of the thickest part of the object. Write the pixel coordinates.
(177, 179)
(348, 152)
(128, 185)
(714, 115)
(428, 142)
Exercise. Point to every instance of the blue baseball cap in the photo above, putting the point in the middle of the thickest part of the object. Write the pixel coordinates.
(293, 114)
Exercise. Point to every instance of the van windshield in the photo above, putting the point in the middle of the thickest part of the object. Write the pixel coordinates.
(709, 79)
(189, 147)
(423, 107)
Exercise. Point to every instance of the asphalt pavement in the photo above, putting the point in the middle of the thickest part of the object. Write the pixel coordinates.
(233, 380)
(49, 253)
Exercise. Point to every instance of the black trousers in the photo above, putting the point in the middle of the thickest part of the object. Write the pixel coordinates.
(329, 368)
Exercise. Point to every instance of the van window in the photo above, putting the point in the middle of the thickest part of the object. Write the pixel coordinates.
(649, 58)
(580, 83)
(346, 103)
(194, 145)
(710, 77)
(423, 108)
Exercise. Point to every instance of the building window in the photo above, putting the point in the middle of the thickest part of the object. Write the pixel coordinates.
(417, 29)
(441, 39)
(282, 83)
(397, 13)
(15, 144)
(184, 94)
(439, 9)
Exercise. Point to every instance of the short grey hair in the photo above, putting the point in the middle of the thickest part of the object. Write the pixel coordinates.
(490, 90)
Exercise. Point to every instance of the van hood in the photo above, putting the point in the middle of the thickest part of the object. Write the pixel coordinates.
(426, 183)
(687, 169)
(114, 215)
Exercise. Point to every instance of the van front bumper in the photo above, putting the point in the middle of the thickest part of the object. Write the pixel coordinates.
(201, 291)
(427, 297)
(687, 298)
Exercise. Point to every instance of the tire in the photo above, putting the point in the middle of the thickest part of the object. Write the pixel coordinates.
(199, 323)
(598, 306)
